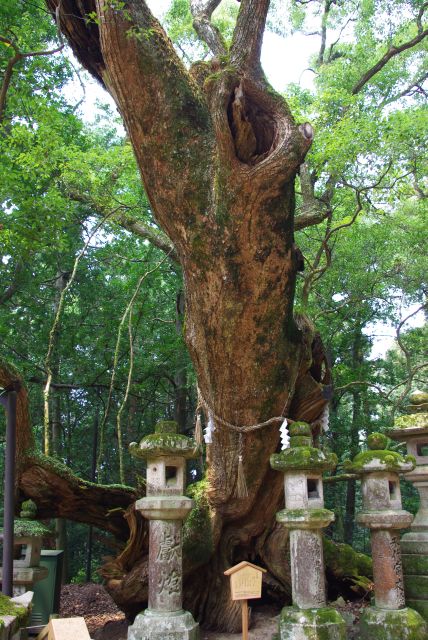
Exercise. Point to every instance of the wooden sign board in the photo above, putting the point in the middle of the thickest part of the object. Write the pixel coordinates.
(245, 581)
(65, 629)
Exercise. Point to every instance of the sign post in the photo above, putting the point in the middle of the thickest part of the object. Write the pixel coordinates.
(245, 584)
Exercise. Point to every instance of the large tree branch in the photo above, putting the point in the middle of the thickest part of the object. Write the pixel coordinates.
(248, 35)
(202, 11)
(314, 210)
(392, 52)
(166, 117)
(57, 491)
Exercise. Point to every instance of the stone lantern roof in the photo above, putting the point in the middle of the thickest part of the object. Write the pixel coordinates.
(302, 455)
(165, 442)
(378, 458)
(26, 526)
(416, 421)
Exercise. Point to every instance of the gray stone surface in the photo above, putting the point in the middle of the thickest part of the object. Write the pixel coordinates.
(165, 565)
(307, 569)
(177, 625)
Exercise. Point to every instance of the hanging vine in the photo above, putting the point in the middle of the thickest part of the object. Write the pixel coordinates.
(54, 329)
(126, 314)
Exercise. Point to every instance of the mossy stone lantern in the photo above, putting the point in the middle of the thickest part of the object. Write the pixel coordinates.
(413, 430)
(27, 544)
(305, 516)
(166, 507)
(382, 513)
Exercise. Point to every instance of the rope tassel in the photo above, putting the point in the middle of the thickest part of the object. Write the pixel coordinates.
(241, 483)
(198, 430)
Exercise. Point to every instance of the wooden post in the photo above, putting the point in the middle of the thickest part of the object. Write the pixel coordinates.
(245, 584)
(244, 606)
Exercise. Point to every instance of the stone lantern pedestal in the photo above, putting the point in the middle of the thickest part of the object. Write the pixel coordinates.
(166, 507)
(413, 430)
(305, 516)
(382, 513)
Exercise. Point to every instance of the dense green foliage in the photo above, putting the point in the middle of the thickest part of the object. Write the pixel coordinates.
(365, 263)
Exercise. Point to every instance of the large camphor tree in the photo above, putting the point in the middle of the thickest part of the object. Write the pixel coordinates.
(219, 151)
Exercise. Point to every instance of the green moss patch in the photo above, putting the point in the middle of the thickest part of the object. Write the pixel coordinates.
(198, 544)
(381, 624)
(300, 429)
(412, 421)
(305, 518)
(303, 458)
(324, 623)
(377, 441)
(32, 528)
(380, 459)
(345, 563)
(166, 426)
(9, 608)
(165, 444)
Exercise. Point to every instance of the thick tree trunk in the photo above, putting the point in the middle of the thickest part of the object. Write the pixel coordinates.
(218, 151)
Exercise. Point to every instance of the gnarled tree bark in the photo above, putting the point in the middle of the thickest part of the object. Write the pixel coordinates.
(218, 151)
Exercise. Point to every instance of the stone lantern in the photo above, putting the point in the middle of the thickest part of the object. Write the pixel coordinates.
(382, 513)
(413, 430)
(305, 517)
(166, 507)
(27, 544)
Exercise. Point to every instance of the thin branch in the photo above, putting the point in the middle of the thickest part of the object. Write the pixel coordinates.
(156, 238)
(209, 33)
(248, 35)
(19, 55)
(51, 343)
(125, 314)
(125, 400)
(6, 82)
(392, 52)
(327, 6)
(407, 353)
(411, 89)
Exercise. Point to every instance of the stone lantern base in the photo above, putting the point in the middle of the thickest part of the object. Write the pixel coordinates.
(385, 624)
(150, 625)
(324, 623)
(414, 549)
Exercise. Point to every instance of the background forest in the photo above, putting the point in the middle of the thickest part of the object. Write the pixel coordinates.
(91, 300)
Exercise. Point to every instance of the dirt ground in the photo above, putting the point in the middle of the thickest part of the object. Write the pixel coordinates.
(106, 622)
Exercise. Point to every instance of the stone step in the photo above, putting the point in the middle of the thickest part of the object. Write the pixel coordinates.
(419, 547)
(415, 564)
(416, 587)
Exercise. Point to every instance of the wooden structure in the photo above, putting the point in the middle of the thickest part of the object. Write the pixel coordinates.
(245, 584)
(65, 629)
